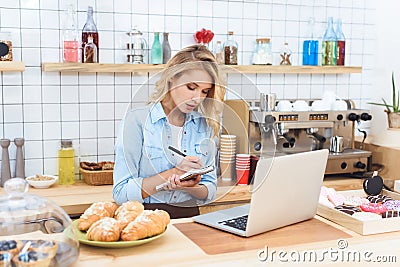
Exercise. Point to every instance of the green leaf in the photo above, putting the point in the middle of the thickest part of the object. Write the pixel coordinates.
(395, 104)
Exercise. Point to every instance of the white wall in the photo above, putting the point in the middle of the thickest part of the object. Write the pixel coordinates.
(44, 107)
(386, 60)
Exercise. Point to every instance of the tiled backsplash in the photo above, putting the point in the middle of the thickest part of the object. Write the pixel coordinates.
(44, 107)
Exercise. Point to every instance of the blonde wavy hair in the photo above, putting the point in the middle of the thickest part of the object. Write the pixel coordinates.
(195, 57)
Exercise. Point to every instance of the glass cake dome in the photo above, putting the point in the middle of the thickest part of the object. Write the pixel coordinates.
(33, 230)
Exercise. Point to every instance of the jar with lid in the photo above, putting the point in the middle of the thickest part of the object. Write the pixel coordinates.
(137, 47)
(66, 163)
(262, 54)
(230, 50)
(33, 230)
(5, 46)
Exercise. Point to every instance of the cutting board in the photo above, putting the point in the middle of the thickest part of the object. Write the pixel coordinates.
(213, 241)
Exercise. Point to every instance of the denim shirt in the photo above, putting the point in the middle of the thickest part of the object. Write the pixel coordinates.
(142, 151)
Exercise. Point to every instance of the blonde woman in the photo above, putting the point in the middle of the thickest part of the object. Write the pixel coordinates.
(183, 112)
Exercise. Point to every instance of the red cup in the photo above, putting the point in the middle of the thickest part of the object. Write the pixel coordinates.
(242, 176)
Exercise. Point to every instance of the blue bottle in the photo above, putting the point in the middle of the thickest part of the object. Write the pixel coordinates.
(310, 46)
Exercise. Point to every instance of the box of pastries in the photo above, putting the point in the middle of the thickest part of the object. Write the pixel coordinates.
(361, 212)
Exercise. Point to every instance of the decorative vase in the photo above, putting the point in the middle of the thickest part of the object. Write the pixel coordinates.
(394, 119)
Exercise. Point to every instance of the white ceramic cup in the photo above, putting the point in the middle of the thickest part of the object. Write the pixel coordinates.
(300, 105)
(285, 105)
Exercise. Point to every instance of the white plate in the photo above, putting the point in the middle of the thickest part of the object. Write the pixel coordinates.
(42, 184)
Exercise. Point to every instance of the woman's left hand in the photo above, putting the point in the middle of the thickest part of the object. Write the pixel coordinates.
(175, 184)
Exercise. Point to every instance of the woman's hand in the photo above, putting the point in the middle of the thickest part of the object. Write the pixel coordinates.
(175, 184)
(189, 163)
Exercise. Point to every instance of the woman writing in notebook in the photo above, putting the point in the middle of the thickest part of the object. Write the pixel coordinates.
(184, 112)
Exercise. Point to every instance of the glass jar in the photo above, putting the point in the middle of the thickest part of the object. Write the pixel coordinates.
(230, 50)
(34, 231)
(5, 46)
(136, 47)
(66, 164)
(262, 54)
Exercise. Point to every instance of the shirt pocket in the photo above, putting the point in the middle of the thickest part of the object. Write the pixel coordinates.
(156, 158)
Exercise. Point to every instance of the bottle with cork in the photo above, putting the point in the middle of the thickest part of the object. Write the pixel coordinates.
(66, 165)
(230, 50)
(90, 29)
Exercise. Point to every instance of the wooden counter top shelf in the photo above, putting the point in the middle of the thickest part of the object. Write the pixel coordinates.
(144, 68)
(188, 244)
(12, 66)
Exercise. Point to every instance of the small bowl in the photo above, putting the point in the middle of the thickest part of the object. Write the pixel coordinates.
(36, 183)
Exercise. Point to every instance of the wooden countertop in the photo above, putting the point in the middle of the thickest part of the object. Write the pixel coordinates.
(175, 249)
(76, 198)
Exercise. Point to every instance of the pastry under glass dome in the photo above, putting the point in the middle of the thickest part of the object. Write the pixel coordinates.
(33, 230)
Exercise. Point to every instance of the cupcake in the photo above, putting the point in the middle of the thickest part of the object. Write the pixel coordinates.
(44, 246)
(10, 246)
(32, 259)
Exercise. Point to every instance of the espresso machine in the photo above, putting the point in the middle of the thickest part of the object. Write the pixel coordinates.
(274, 133)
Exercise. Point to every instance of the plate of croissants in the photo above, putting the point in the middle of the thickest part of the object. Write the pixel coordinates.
(105, 224)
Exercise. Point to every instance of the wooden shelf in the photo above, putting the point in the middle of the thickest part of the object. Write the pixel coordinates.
(12, 66)
(140, 68)
(292, 69)
(98, 67)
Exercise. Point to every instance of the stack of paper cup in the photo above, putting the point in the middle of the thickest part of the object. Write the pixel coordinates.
(227, 154)
(242, 168)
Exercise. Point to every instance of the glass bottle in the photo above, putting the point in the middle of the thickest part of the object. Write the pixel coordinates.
(329, 45)
(66, 165)
(166, 48)
(218, 53)
(90, 51)
(90, 29)
(285, 55)
(230, 50)
(341, 43)
(156, 50)
(70, 37)
(310, 46)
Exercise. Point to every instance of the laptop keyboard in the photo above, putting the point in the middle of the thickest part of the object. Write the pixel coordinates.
(238, 222)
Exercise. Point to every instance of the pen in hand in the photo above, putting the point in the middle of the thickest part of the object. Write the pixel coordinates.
(177, 151)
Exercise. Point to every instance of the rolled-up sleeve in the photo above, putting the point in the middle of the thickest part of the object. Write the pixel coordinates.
(128, 151)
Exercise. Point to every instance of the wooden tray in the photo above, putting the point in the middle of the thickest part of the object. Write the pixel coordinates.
(300, 233)
(361, 227)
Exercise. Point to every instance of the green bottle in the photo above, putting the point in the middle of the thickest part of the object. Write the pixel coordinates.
(329, 45)
(156, 50)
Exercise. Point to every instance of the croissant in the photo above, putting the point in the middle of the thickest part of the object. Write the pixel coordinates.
(95, 212)
(147, 224)
(128, 212)
(106, 229)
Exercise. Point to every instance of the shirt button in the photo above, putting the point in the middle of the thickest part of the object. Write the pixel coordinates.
(169, 136)
(184, 132)
(174, 196)
(184, 150)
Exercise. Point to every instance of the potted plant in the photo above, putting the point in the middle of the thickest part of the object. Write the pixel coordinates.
(392, 110)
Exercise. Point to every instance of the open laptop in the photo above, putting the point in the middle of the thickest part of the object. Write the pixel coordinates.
(285, 191)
